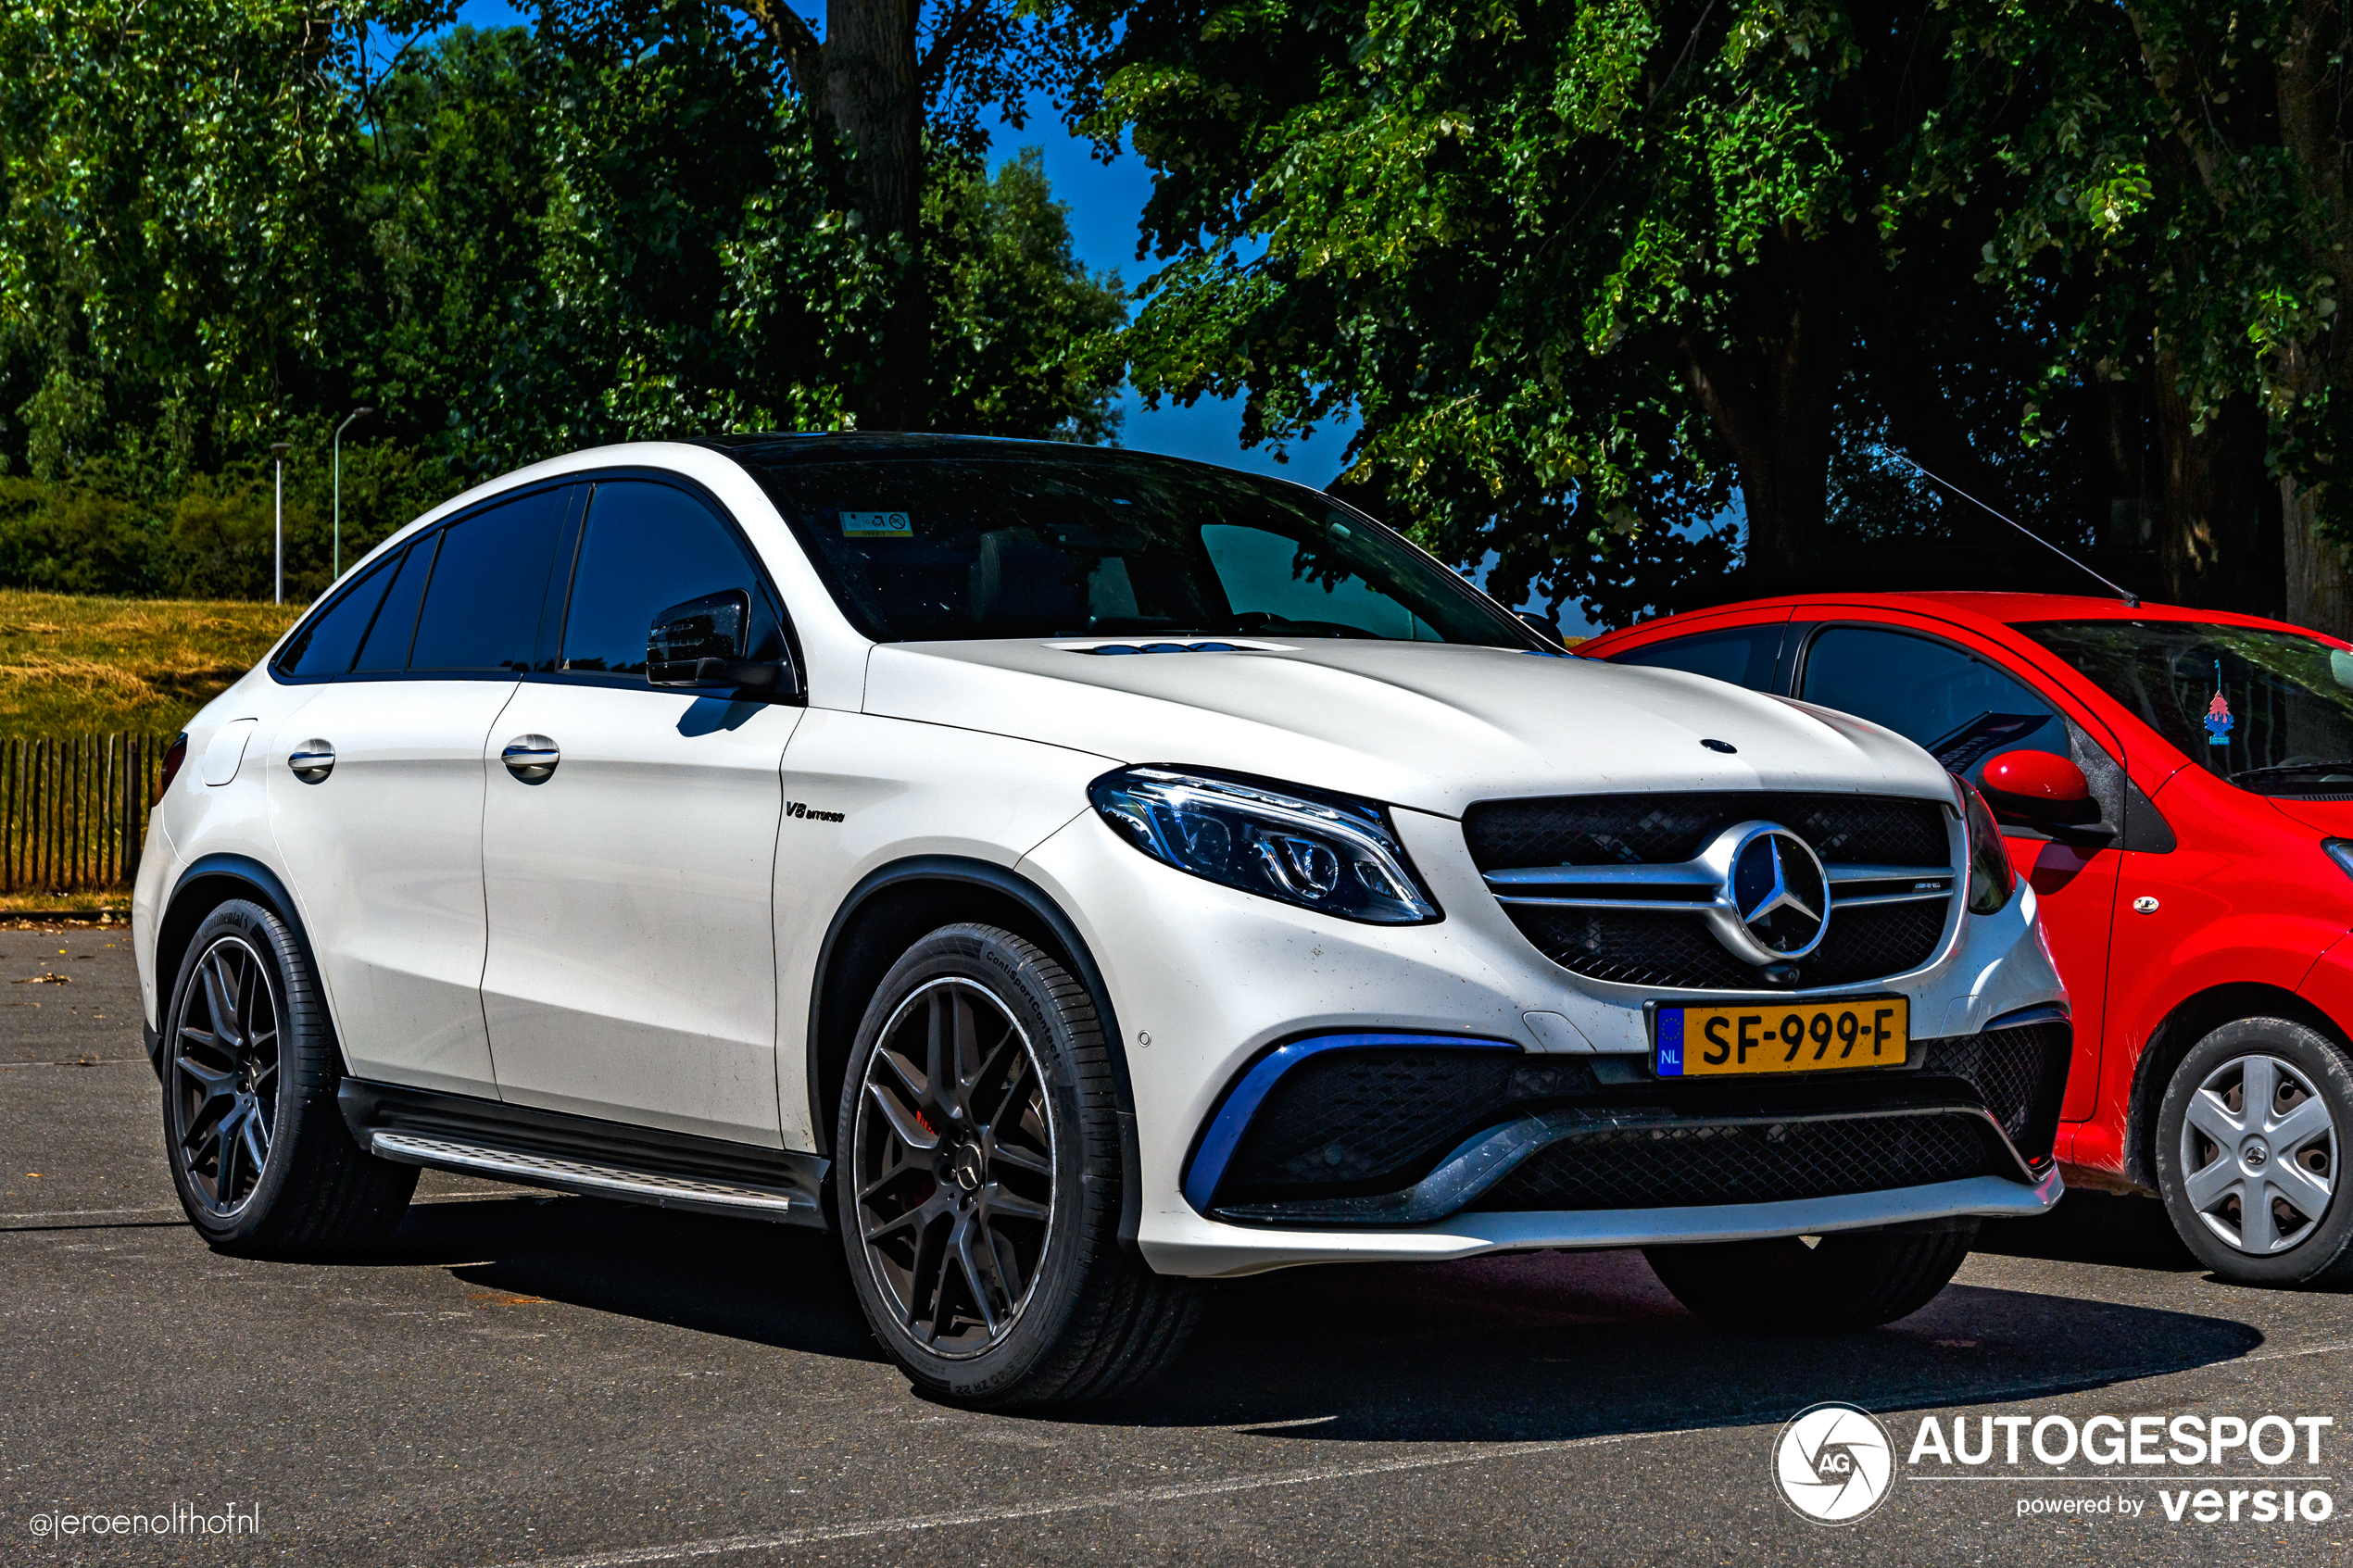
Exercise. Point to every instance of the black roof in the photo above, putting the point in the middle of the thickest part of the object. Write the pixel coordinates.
(773, 449)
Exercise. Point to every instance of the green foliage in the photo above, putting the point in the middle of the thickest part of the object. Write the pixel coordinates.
(228, 223)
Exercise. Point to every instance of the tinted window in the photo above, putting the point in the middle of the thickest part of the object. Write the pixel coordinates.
(1035, 546)
(386, 650)
(2272, 711)
(646, 547)
(1959, 708)
(1745, 657)
(482, 612)
(327, 641)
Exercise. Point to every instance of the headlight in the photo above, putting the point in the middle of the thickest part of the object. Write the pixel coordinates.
(1321, 853)
(1992, 878)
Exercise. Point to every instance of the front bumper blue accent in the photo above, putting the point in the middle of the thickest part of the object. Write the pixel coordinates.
(1233, 1117)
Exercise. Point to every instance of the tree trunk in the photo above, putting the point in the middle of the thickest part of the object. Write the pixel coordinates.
(875, 97)
(2211, 500)
(864, 84)
(1771, 396)
(2319, 594)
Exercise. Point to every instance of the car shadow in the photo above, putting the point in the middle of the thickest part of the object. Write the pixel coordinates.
(2095, 1228)
(1528, 1347)
(779, 1286)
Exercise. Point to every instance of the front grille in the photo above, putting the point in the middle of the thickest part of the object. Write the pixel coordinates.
(1377, 1120)
(1614, 829)
(1677, 951)
(2020, 1074)
(1351, 1122)
(1703, 1162)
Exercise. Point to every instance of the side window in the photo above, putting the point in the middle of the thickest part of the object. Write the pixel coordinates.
(386, 650)
(1746, 655)
(1959, 708)
(330, 640)
(482, 613)
(645, 547)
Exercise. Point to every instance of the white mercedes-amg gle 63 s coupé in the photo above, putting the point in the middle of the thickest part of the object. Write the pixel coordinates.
(1068, 876)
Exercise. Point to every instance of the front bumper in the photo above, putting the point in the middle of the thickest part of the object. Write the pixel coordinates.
(1206, 982)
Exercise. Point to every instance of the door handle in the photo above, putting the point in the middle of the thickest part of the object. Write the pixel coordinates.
(532, 759)
(311, 762)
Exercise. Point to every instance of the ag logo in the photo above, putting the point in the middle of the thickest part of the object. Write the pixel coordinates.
(1833, 1462)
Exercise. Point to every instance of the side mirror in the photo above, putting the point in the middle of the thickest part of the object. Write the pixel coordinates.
(2038, 789)
(701, 646)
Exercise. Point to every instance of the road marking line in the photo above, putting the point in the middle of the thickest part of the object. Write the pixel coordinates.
(2079, 1383)
(175, 1209)
(1173, 1493)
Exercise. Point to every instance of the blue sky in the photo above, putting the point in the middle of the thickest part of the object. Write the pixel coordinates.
(1105, 201)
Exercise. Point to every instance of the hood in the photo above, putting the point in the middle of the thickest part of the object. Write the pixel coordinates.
(1429, 725)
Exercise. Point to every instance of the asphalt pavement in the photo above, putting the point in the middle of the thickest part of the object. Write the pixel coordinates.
(526, 1379)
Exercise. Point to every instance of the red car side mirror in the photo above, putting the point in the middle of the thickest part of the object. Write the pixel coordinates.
(2037, 790)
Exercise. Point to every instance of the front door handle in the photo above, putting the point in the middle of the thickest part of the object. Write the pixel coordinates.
(532, 759)
(311, 762)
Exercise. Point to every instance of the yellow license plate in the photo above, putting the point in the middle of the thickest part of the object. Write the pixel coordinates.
(1819, 1037)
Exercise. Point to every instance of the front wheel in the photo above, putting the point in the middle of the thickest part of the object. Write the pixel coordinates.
(2250, 1144)
(979, 1182)
(1833, 1284)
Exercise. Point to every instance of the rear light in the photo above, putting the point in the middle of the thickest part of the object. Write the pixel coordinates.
(174, 755)
(1992, 878)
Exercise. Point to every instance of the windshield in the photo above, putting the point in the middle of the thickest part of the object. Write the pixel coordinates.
(2272, 711)
(952, 548)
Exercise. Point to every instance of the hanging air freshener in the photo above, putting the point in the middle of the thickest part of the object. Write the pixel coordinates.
(2218, 713)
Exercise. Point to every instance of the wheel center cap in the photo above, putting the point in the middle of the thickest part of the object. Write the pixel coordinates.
(2256, 1151)
(964, 1167)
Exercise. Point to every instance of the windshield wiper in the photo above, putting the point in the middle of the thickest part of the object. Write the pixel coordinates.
(2286, 768)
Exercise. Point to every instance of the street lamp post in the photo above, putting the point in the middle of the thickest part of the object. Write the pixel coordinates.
(359, 413)
(278, 450)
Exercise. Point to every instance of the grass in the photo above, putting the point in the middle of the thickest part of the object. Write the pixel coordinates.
(71, 665)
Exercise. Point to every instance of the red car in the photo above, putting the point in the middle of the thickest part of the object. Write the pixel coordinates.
(2176, 786)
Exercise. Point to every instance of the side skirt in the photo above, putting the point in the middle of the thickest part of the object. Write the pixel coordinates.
(548, 1148)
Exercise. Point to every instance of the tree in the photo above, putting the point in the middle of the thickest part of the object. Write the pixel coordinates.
(2190, 160)
(1568, 263)
(887, 84)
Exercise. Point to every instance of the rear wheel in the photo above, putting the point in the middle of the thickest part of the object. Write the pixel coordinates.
(2249, 1145)
(1826, 1285)
(259, 1152)
(979, 1182)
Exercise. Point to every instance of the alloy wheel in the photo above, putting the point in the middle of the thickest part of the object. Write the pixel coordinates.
(225, 1074)
(2259, 1154)
(954, 1154)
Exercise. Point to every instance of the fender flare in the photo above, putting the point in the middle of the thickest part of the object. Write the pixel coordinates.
(173, 928)
(1034, 900)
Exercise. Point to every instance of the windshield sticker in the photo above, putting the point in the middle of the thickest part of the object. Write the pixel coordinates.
(1982, 735)
(2218, 713)
(877, 525)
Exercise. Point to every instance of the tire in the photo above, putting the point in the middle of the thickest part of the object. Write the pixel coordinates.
(1846, 1282)
(979, 1180)
(2302, 1232)
(263, 1162)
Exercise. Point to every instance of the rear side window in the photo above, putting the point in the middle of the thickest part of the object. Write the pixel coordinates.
(645, 547)
(386, 650)
(1958, 708)
(330, 640)
(1746, 655)
(482, 612)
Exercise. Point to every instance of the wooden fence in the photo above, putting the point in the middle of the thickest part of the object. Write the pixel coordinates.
(73, 811)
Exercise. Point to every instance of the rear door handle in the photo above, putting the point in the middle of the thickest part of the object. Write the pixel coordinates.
(311, 762)
(532, 759)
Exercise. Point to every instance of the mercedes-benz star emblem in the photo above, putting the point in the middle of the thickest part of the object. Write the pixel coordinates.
(1773, 904)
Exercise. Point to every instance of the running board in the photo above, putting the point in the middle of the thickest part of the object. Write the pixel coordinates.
(582, 1154)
